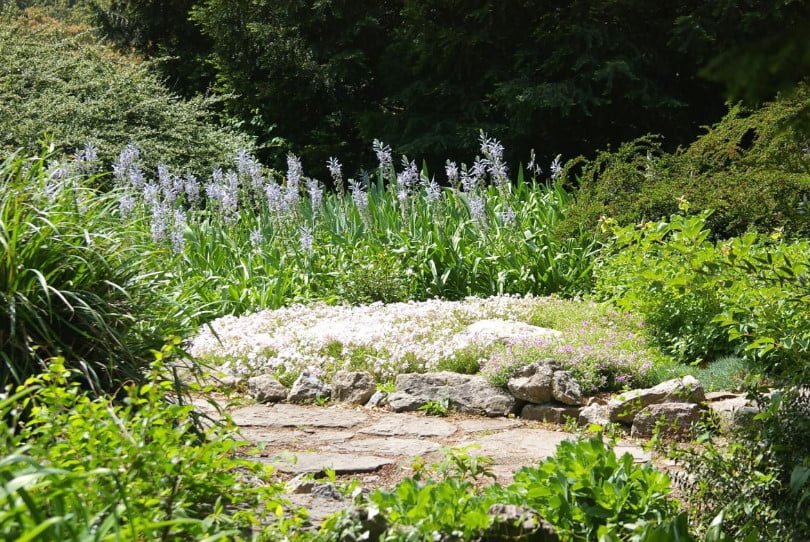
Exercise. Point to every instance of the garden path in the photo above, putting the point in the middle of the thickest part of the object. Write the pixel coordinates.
(378, 448)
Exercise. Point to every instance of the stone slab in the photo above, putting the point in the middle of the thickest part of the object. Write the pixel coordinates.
(299, 462)
(284, 415)
(387, 446)
(639, 454)
(479, 425)
(282, 436)
(410, 426)
(318, 508)
(519, 444)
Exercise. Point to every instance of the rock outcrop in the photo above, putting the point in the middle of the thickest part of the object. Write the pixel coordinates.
(465, 393)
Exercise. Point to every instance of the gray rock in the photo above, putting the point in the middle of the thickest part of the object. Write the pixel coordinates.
(352, 387)
(266, 389)
(488, 332)
(512, 522)
(327, 490)
(279, 437)
(595, 414)
(286, 415)
(565, 389)
(314, 462)
(407, 447)
(403, 425)
(549, 412)
(377, 400)
(318, 508)
(733, 410)
(623, 408)
(465, 393)
(307, 388)
(675, 419)
(533, 383)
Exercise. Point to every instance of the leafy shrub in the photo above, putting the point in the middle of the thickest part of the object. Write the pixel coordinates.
(588, 493)
(760, 482)
(750, 168)
(584, 491)
(60, 82)
(80, 469)
(703, 299)
(373, 275)
(74, 281)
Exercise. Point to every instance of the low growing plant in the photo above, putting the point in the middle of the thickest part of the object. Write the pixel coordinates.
(82, 469)
(584, 491)
(589, 493)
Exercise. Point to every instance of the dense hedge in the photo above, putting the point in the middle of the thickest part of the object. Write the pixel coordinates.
(58, 81)
(752, 168)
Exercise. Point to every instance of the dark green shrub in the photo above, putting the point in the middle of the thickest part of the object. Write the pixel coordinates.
(751, 168)
(60, 82)
(73, 281)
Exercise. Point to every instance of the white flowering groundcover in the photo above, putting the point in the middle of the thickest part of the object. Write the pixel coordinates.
(604, 349)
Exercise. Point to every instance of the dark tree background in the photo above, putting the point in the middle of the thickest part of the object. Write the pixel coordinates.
(425, 76)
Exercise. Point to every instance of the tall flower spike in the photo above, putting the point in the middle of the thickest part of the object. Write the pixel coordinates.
(305, 238)
(336, 171)
(315, 194)
(178, 234)
(256, 237)
(433, 191)
(295, 173)
(451, 170)
(384, 156)
(556, 167)
(191, 187)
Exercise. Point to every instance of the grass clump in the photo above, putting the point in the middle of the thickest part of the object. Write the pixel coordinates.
(73, 281)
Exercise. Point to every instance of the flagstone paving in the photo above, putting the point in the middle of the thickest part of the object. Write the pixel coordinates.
(347, 440)
(377, 447)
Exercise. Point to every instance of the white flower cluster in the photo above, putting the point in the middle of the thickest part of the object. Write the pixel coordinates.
(394, 336)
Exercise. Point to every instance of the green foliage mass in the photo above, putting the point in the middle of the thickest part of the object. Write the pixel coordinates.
(704, 299)
(584, 491)
(59, 82)
(760, 480)
(751, 168)
(73, 280)
(385, 248)
(82, 470)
